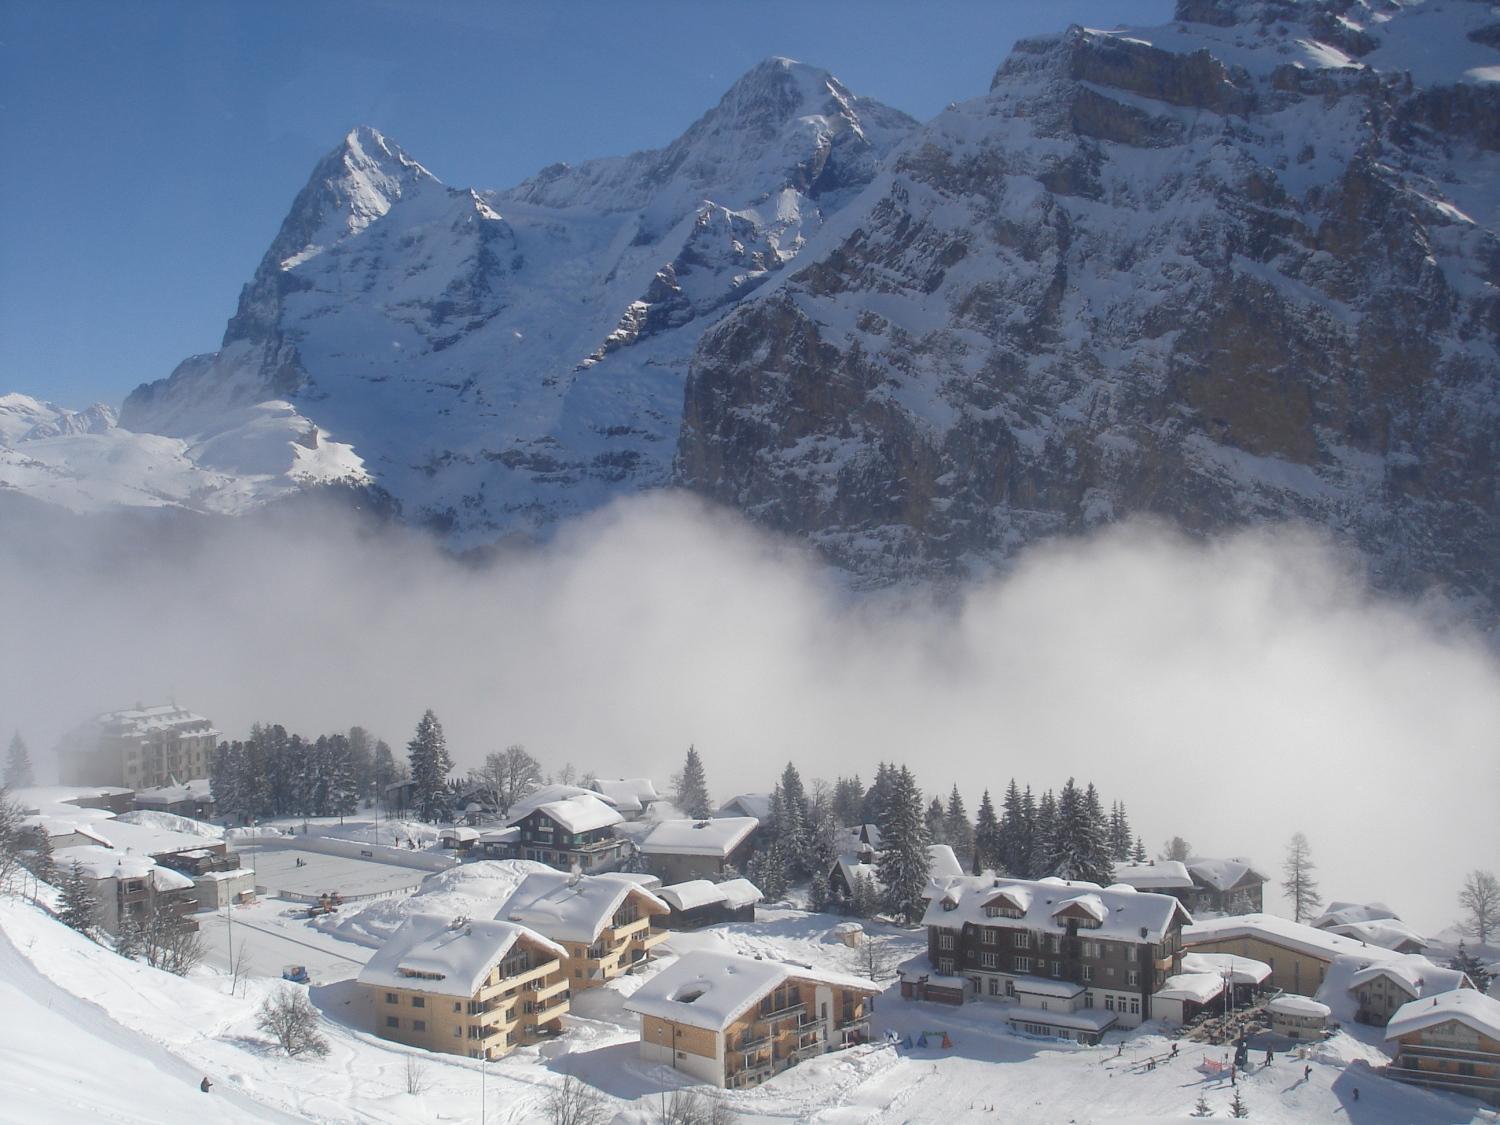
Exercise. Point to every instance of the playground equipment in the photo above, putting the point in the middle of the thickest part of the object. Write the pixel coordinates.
(946, 1043)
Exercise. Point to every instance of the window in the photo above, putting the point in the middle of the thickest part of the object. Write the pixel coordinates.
(419, 1002)
(458, 1006)
(1091, 950)
(1021, 939)
(1133, 978)
(945, 941)
(1088, 973)
(989, 960)
(392, 1021)
(1088, 999)
(990, 936)
(1135, 1005)
(1023, 964)
(1057, 968)
(945, 966)
(392, 998)
(1109, 1002)
(1052, 943)
(458, 1032)
(419, 1025)
(995, 986)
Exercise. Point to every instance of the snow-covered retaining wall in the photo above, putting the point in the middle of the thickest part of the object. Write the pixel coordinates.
(353, 849)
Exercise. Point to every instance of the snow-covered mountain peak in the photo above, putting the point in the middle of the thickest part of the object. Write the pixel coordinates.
(23, 418)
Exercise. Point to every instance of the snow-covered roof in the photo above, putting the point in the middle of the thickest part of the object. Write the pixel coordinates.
(1289, 1005)
(716, 837)
(1469, 1006)
(56, 826)
(1389, 933)
(757, 805)
(142, 722)
(1044, 986)
(1127, 915)
(942, 863)
(628, 794)
(451, 957)
(573, 907)
(1199, 988)
(711, 990)
(546, 795)
(1163, 875)
(584, 812)
(857, 834)
(499, 835)
(1084, 1019)
(1413, 974)
(1223, 874)
(102, 863)
(1240, 970)
(1346, 913)
(1089, 904)
(697, 893)
(1279, 931)
(38, 798)
(461, 834)
(196, 789)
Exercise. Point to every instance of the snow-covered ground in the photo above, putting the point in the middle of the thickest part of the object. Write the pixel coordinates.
(94, 1037)
(294, 871)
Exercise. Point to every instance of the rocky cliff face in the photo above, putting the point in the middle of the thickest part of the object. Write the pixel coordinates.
(502, 360)
(1242, 267)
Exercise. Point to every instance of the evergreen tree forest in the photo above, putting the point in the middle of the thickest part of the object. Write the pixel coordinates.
(273, 773)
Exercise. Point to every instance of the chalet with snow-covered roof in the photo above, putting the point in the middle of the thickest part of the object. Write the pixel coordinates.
(1374, 923)
(1162, 877)
(755, 805)
(676, 851)
(632, 796)
(942, 865)
(735, 1021)
(602, 922)
(1299, 1017)
(465, 987)
(1094, 955)
(1382, 988)
(1202, 985)
(1448, 1042)
(698, 903)
(573, 832)
(1299, 955)
(1224, 886)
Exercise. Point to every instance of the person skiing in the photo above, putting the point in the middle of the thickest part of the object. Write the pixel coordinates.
(205, 1085)
(1306, 1073)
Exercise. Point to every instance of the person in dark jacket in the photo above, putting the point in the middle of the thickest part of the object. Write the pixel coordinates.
(205, 1085)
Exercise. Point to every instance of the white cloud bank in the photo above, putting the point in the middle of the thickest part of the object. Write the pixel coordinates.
(1232, 692)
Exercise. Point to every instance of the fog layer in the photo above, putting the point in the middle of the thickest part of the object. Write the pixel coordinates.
(1230, 692)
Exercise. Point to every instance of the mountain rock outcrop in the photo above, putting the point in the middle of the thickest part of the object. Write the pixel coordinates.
(502, 360)
(1242, 267)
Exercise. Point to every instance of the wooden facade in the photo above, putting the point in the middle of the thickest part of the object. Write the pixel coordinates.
(1450, 1056)
(545, 840)
(520, 1001)
(1292, 970)
(623, 945)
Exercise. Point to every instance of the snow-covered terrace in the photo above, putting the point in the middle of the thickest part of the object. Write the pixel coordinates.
(451, 957)
(715, 837)
(573, 908)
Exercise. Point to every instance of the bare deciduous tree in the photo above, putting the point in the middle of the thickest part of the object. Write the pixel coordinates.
(416, 1075)
(575, 1102)
(166, 939)
(1480, 899)
(872, 957)
(511, 774)
(288, 1016)
(690, 1106)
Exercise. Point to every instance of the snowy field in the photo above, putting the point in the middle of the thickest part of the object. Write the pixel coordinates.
(273, 934)
(92, 1037)
(276, 870)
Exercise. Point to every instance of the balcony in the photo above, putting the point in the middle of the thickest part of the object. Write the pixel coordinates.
(750, 1075)
(545, 1012)
(749, 1047)
(546, 992)
(806, 1051)
(781, 1015)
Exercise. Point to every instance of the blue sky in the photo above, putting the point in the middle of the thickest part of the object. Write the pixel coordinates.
(151, 149)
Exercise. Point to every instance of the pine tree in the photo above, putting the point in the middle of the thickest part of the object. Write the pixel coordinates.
(822, 842)
(430, 764)
(873, 809)
(18, 771)
(1119, 833)
(1099, 862)
(1011, 847)
(1466, 963)
(130, 942)
(1298, 884)
(934, 819)
(362, 762)
(848, 801)
(1238, 1108)
(904, 862)
(864, 899)
(343, 783)
(223, 780)
(1043, 837)
(792, 827)
(1202, 1108)
(988, 837)
(1139, 854)
(957, 826)
(385, 771)
(1032, 836)
(77, 907)
(692, 787)
(38, 860)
